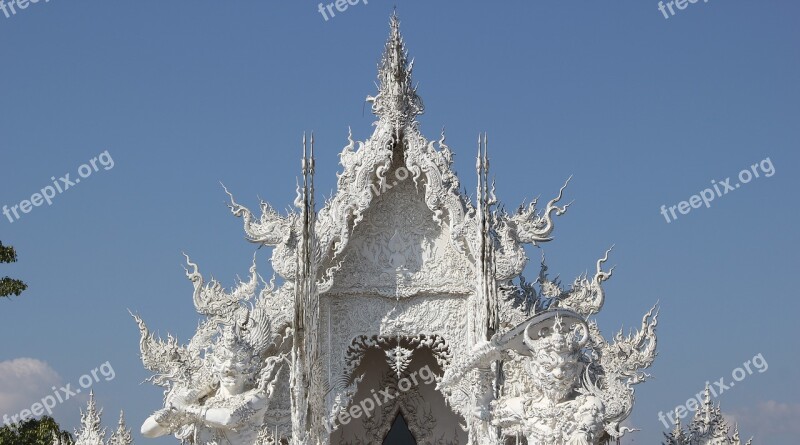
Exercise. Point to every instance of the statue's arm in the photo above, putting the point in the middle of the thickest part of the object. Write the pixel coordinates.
(226, 418)
(153, 425)
(161, 422)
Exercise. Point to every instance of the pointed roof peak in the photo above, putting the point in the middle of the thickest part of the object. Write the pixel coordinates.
(396, 102)
(90, 431)
(91, 406)
(123, 434)
(395, 36)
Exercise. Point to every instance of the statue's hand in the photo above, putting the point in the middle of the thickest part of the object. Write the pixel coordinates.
(179, 402)
(164, 416)
(195, 411)
(182, 397)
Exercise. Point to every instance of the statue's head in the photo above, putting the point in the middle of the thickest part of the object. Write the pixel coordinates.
(590, 413)
(556, 362)
(234, 361)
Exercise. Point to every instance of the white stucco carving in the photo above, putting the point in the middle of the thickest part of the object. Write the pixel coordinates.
(222, 386)
(399, 269)
(707, 428)
(91, 431)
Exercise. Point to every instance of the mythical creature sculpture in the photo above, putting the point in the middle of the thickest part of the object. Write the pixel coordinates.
(552, 410)
(221, 387)
(562, 383)
(271, 229)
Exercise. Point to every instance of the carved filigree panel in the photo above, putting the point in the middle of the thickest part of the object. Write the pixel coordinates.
(398, 250)
(344, 320)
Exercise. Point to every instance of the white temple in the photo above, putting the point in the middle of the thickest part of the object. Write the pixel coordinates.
(399, 311)
(707, 428)
(92, 433)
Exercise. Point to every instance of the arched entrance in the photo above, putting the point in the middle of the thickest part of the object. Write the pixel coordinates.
(399, 434)
(397, 402)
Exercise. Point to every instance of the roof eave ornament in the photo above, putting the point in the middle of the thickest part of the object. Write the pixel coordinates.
(397, 102)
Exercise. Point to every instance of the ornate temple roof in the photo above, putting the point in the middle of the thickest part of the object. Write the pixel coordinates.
(397, 101)
(401, 260)
(395, 153)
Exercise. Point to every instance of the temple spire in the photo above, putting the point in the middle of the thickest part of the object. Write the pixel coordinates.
(397, 102)
(122, 436)
(90, 432)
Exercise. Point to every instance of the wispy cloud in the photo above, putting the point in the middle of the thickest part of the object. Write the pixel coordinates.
(769, 418)
(24, 381)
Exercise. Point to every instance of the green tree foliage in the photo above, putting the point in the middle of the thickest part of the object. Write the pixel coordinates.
(34, 432)
(9, 286)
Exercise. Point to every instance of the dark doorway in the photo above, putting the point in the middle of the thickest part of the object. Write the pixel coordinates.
(399, 434)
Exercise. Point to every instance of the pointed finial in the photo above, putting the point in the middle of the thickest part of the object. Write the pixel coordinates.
(90, 423)
(311, 155)
(478, 159)
(92, 406)
(123, 434)
(397, 102)
(486, 152)
(304, 161)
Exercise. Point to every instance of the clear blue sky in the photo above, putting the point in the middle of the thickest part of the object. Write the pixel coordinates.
(643, 111)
